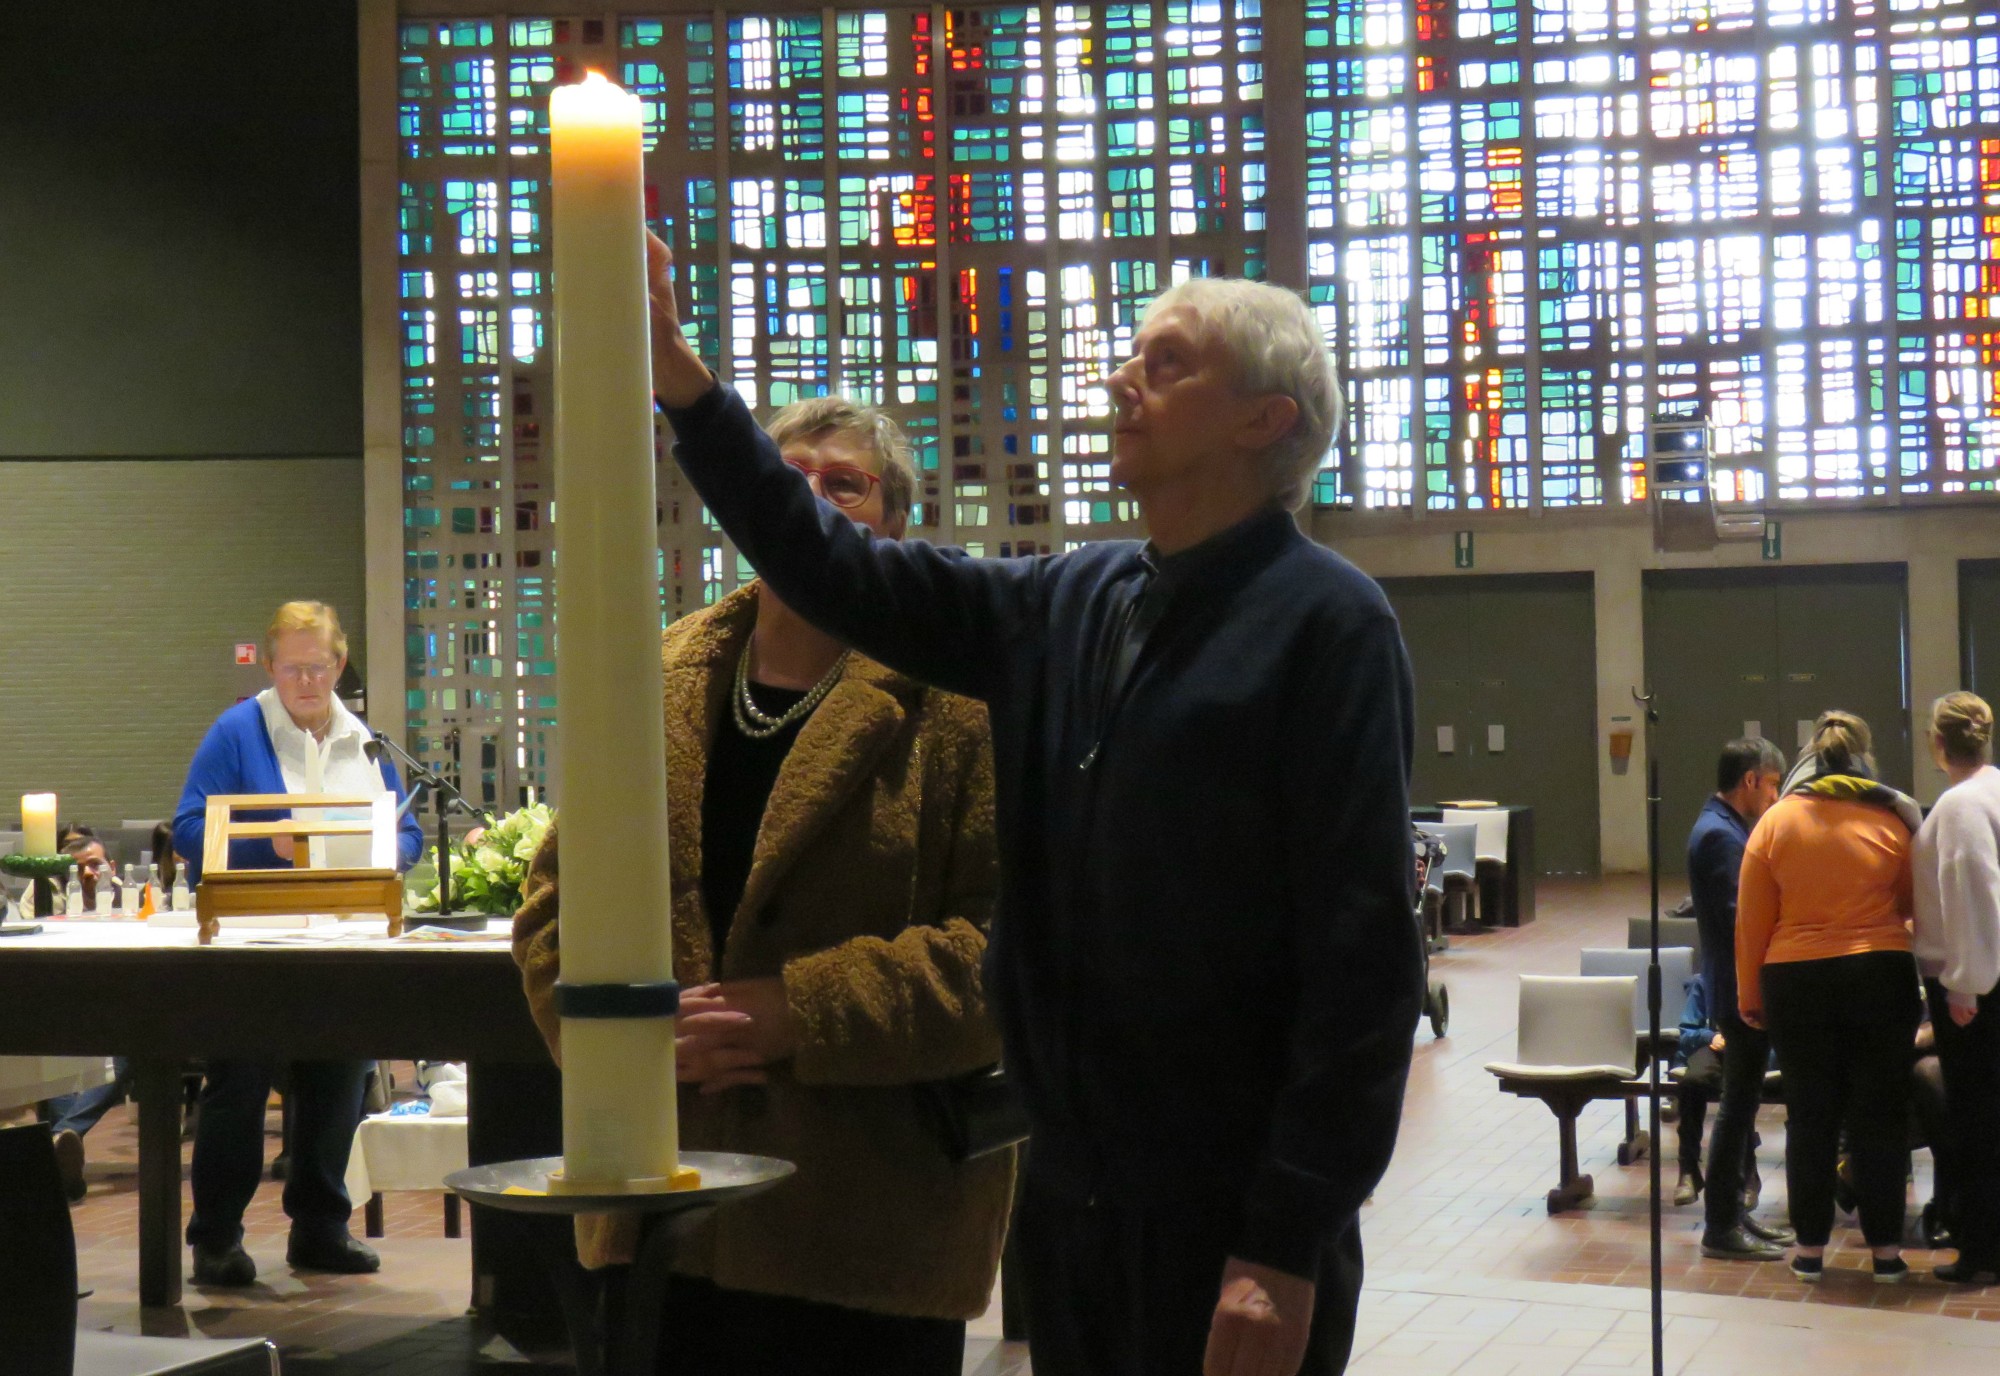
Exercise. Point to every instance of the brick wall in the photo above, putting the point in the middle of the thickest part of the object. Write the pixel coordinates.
(123, 586)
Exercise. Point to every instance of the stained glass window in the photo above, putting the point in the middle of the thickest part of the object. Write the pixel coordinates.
(1526, 225)
(953, 213)
(1530, 224)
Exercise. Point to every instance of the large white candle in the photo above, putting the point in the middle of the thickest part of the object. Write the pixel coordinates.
(38, 824)
(619, 1124)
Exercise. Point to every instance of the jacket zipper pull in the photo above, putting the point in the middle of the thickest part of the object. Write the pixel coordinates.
(1091, 758)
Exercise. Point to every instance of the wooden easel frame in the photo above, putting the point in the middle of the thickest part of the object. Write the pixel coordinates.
(224, 892)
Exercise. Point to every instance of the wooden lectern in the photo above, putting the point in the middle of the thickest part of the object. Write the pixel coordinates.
(224, 892)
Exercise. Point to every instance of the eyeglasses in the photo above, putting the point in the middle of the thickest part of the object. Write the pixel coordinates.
(318, 671)
(841, 483)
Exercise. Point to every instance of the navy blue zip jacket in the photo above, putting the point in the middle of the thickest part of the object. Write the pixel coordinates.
(1205, 967)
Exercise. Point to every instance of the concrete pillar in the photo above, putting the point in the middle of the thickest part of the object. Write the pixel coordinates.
(1621, 667)
(1934, 656)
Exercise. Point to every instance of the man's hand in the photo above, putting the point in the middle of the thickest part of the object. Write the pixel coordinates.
(1261, 1324)
(727, 1033)
(679, 379)
(1963, 1012)
(285, 847)
(1752, 1018)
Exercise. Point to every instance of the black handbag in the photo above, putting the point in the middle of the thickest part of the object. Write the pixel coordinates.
(975, 1114)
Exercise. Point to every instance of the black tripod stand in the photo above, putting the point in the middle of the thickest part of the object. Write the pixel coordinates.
(1647, 701)
(448, 800)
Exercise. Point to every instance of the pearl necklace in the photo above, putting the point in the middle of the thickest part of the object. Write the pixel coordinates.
(758, 724)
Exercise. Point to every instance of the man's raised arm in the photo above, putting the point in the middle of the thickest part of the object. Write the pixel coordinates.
(934, 614)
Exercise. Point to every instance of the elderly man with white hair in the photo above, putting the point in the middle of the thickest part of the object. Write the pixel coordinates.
(1204, 966)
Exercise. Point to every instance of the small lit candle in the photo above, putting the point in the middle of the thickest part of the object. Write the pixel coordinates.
(619, 1113)
(38, 824)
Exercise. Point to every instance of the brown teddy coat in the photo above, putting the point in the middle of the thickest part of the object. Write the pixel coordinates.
(870, 890)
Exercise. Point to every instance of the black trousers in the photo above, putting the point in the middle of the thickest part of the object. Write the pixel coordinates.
(1124, 1292)
(229, 1146)
(1746, 1052)
(1970, 1059)
(1843, 1029)
(1701, 1082)
(706, 1330)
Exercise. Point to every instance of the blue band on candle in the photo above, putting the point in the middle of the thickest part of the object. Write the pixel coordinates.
(618, 1000)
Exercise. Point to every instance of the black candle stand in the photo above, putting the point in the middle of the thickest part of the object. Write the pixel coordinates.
(619, 1334)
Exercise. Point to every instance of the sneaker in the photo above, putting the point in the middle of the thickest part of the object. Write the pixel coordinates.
(1962, 1272)
(1894, 1271)
(228, 1268)
(1807, 1269)
(1687, 1189)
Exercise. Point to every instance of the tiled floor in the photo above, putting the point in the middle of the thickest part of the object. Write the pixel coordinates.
(1469, 1273)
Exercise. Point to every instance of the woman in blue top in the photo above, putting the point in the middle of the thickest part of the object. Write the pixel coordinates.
(294, 737)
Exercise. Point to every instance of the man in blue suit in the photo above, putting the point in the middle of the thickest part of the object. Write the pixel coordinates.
(1746, 785)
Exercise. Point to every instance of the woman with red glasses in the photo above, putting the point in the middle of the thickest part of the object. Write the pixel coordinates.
(834, 872)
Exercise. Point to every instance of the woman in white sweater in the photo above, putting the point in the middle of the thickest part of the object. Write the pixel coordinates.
(1956, 873)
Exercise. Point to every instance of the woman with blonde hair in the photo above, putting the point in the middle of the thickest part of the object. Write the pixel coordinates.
(294, 737)
(1956, 866)
(1823, 959)
(834, 874)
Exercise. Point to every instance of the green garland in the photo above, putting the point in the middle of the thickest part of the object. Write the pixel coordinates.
(487, 874)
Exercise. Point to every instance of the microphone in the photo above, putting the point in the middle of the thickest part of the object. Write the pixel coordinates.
(422, 776)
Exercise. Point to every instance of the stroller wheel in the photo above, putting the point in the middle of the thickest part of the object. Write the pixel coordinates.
(1437, 1007)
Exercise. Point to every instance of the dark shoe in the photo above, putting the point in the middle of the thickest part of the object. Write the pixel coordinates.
(281, 1165)
(341, 1252)
(1892, 1272)
(69, 1164)
(1961, 1272)
(224, 1267)
(1807, 1269)
(1753, 1188)
(1843, 1187)
(1775, 1233)
(1738, 1244)
(1688, 1189)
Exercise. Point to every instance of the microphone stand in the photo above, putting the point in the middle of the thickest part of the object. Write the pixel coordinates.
(448, 797)
(1653, 979)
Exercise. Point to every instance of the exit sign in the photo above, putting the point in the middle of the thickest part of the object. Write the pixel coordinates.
(1774, 540)
(1461, 549)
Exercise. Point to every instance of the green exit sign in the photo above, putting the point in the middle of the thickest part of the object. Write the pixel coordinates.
(1461, 549)
(1774, 540)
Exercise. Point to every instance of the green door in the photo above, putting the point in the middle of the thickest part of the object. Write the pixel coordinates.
(1508, 667)
(1979, 626)
(1735, 651)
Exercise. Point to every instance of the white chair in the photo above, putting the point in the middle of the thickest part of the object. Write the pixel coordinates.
(1574, 1046)
(1489, 857)
(120, 1354)
(1456, 879)
(1676, 967)
(1674, 931)
(1490, 824)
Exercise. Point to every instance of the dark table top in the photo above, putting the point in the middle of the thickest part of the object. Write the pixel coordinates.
(95, 989)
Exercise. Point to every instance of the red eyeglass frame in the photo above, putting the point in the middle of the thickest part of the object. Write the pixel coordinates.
(874, 480)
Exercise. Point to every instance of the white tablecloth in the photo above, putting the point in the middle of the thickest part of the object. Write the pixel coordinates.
(26, 1080)
(413, 1152)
